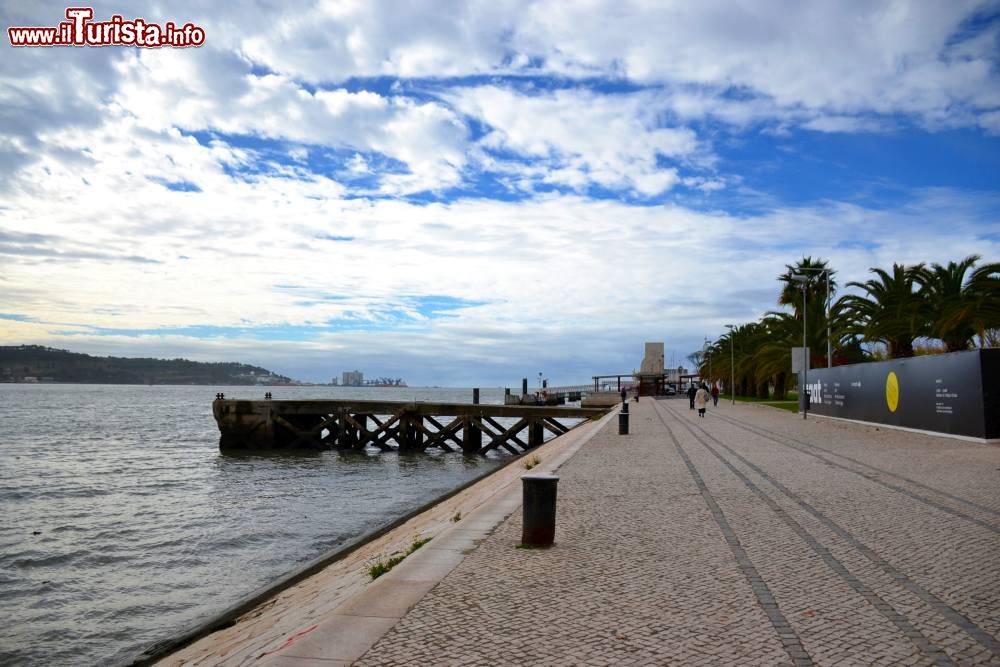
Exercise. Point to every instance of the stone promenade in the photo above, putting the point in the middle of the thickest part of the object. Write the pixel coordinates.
(749, 537)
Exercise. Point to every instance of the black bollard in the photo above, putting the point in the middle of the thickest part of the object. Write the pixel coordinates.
(623, 423)
(539, 509)
(475, 396)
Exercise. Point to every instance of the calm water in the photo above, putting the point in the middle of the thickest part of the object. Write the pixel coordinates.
(122, 524)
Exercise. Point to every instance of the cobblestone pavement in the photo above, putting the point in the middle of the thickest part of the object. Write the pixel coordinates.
(746, 538)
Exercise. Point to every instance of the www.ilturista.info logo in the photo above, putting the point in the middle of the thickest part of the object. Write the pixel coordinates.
(80, 30)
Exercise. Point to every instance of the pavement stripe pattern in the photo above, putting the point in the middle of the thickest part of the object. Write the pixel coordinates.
(953, 616)
(806, 447)
(900, 621)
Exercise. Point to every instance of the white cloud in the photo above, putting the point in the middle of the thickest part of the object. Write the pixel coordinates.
(843, 58)
(581, 137)
(217, 92)
(632, 97)
(552, 269)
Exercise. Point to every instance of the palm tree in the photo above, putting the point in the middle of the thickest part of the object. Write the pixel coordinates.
(791, 291)
(773, 356)
(951, 303)
(977, 309)
(746, 341)
(892, 310)
(816, 294)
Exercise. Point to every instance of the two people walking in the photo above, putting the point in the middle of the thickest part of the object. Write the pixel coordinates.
(698, 398)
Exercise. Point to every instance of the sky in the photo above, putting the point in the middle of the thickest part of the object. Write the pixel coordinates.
(467, 193)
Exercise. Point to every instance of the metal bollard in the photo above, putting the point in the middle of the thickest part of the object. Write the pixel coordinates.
(624, 407)
(539, 497)
(475, 396)
(623, 423)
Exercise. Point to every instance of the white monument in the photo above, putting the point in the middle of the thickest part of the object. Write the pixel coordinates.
(653, 361)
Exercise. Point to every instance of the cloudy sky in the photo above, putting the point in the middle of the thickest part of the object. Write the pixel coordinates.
(470, 192)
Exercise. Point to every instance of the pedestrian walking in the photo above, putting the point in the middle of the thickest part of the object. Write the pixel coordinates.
(715, 395)
(701, 400)
(691, 394)
(624, 395)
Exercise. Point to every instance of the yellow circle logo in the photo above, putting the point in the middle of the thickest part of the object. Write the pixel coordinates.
(892, 392)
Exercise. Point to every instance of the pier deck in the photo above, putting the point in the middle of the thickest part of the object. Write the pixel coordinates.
(389, 425)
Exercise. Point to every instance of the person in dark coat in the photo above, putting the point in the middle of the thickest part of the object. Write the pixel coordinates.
(624, 395)
(691, 393)
(715, 394)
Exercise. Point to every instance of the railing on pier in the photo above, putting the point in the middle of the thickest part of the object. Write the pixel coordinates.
(388, 425)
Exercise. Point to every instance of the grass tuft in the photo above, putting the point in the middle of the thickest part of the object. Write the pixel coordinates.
(382, 565)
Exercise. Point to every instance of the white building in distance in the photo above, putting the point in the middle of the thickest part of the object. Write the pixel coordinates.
(353, 378)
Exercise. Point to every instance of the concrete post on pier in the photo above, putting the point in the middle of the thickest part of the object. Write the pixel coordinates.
(417, 434)
(472, 436)
(405, 434)
(363, 422)
(345, 431)
(536, 434)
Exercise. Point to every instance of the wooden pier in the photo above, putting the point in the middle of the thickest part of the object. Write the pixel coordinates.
(388, 425)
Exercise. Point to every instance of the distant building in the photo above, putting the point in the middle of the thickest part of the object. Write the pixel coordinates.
(334, 382)
(353, 378)
(653, 361)
(674, 374)
(652, 377)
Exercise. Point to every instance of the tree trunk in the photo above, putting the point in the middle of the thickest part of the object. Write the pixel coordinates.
(762, 390)
(779, 387)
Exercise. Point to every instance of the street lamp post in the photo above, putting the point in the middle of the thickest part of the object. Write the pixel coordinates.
(803, 281)
(732, 365)
(829, 340)
(704, 355)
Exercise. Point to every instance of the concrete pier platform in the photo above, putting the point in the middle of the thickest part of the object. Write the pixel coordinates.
(749, 537)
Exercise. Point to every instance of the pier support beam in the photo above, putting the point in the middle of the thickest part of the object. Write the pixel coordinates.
(345, 431)
(472, 436)
(405, 438)
(536, 434)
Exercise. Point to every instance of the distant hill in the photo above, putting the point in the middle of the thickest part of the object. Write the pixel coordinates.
(34, 363)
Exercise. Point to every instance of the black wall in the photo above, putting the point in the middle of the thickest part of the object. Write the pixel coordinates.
(956, 393)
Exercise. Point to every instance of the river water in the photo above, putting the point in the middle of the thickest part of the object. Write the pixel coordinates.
(123, 525)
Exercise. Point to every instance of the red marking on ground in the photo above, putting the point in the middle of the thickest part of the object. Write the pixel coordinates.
(291, 640)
